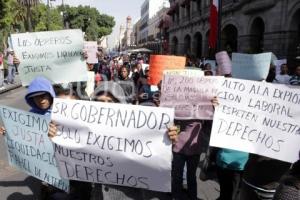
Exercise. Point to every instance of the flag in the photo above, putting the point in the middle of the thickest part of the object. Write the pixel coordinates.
(213, 20)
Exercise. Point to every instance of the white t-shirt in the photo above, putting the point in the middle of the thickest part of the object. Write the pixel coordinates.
(283, 79)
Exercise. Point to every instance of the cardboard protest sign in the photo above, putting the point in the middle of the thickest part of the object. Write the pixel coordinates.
(224, 62)
(278, 64)
(190, 96)
(56, 55)
(114, 144)
(91, 48)
(184, 72)
(258, 117)
(159, 63)
(251, 66)
(29, 148)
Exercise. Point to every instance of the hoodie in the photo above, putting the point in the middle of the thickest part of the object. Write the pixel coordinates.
(39, 84)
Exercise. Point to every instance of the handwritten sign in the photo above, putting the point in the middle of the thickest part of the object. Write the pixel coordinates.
(159, 63)
(114, 144)
(251, 66)
(190, 96)
(56, 55)
(224, 62)
(91, 48)
(29, 148)
(258, 117)
(184, 72)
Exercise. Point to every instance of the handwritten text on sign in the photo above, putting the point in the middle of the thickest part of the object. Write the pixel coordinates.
(91, 48)
(190, 96)
(56, 55)
(113, 143)
(258, 117)
(29, 147)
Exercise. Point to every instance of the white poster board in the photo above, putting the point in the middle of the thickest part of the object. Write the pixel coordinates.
(56, 55)
(258, 117)
(99, 142)
(91, 47)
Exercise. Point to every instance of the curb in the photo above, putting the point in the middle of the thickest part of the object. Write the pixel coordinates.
(11, 87)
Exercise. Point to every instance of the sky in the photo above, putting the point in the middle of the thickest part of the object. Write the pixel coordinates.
(119, 9)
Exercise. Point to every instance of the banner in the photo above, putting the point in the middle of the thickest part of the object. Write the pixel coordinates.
(251, 66)
(190, 96)
(56, 55)
(159, 63)
(258, 117)
(113, 144)
(91, 48)
(29, 148)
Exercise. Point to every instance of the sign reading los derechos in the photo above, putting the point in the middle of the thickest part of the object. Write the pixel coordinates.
(29, 148)
(114, 144)
(258, 117)
(56, 55)
(190, 95)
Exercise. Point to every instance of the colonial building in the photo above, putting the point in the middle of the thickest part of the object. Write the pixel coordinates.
(250, 26)
(125, 36)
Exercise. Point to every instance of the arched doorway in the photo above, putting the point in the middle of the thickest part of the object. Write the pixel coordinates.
(187, 45)
(197, 45)
(257, 31)
(294, 41)
(229, 38)
(174, 46)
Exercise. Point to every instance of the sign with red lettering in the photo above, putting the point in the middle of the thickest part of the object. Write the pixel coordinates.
(258, 117)
(113, 144)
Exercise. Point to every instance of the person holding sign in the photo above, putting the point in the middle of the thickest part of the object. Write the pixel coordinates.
(283, 77)
(295, 80)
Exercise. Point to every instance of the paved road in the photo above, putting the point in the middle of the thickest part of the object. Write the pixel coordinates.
(15, 185)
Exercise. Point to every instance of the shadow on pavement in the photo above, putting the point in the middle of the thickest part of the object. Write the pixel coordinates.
(32, 183)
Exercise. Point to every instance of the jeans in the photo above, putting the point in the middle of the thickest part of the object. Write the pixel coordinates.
(229, 183)
(1, 77)
(11, 73)
(178, 163)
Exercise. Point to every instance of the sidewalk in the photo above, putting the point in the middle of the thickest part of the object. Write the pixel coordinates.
(8, 87)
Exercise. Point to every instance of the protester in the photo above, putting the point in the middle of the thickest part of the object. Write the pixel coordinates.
(283, 77)
(295, 80)
(127, 84)
(11, 66)
(1, 71)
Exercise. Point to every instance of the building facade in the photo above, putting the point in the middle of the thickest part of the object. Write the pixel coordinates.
(249, 26)
(125, 36)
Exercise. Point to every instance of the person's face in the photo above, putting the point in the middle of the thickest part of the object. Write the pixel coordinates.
(43, 101)
(106, 98)
(90, 67)
(124, 73)
(298, 71)
(284, 69)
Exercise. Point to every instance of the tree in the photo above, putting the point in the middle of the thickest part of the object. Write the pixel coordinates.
(94, 24)
(28, 4)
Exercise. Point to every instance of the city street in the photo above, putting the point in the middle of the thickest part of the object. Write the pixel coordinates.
(15, 185)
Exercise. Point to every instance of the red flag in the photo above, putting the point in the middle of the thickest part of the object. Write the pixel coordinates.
(213, 20)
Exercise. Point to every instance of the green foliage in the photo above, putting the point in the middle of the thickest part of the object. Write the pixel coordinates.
(94, 24)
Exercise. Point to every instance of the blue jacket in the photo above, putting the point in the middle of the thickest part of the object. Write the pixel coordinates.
(231, 159)
(39, 84)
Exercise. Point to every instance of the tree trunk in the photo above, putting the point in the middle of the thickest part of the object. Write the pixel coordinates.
(29, 24)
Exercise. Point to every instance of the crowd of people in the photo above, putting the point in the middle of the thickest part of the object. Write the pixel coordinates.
(121, 79)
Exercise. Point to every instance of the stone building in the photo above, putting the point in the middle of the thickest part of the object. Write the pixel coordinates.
(125, 35)
(249, 26)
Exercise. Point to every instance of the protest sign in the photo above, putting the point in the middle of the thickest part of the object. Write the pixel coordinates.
(184, 72)
(224, 63)
(56, 55)
(159, 63)
(251, 66)
(91, 48)
(278, 64)
(190, 96)
(29, 148)
(114, 144)
(258, 117)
